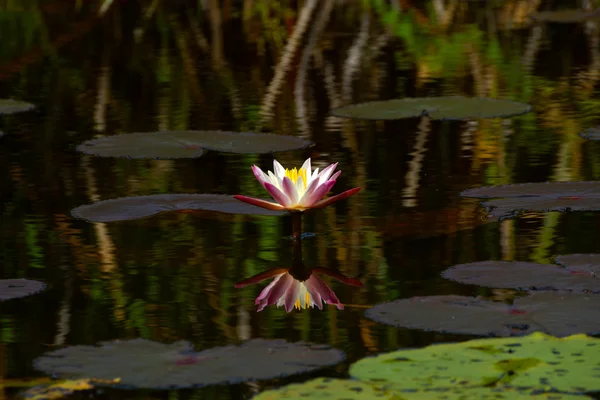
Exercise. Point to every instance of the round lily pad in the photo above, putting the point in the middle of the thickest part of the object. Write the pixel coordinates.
(591, 133)
(567, 16)
(529, 276)
(15, 288)
(188, 144)
(438, 108)
(556, 313)
(135, 207)
(537, 363)
(9, 106)
(587, 265)
(541, 197)
(141, 363)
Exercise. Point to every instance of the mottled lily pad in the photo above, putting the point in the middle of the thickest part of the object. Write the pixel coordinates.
(591, 133)
(556, 313)
(587, 265)
(15, 288)
(9, 106)
(141, 363)
(188, 144)
(567, 16)
(135, 207)
(438, 108)
(541, 197)
(537, 362)
(528, 276)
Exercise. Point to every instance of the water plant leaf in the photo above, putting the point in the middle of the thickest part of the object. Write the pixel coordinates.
(135, 207)
(567, 16)
(556, 313)
(61, 389)
(540, 196)
(537, 362)
(141, 363)
(591, 133)
(15, 288)
(9, 106)
(438, 108)
(528, 276)
(587, 265)
(188, 144)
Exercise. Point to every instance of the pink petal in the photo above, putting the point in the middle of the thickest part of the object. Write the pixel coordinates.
(333, 199)
(266, 291)
(258, 202)
(337, 276)
(280, 289)
(277, 195)
(317, 194)
(326, 173)
(335, 176)
(260, 175)
(316, 284)
(291, 296)
(309, 191)
(316, 297)
(290, 190)
(261, 277)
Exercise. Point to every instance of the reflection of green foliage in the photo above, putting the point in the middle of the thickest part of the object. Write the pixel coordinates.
(34, 251)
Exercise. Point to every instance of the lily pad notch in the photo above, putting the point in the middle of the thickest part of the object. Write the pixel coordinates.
(446, 108)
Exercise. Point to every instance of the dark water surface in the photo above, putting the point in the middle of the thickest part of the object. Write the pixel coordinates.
(148, 66)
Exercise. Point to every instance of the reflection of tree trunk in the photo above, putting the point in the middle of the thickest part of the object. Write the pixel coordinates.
(354, 57)
(216, 32)
(286, 59)
(103, 97)
(414, 166)
(507, 239)
(64, 315)
(532, 47)
(188, 63)
(3, 361)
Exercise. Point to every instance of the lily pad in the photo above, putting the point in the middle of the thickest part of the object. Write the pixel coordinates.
(541, 197)
(141, 363)
(591, 133)
(9, 106)
(438, 108)
(529, 276)
(135, 207)
(188, 144)
(556, 313)
(537, 362)
(587, 265)
(566, 16)
(15, 288)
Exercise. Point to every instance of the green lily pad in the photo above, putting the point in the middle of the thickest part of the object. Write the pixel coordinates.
(136, 207)
(537, 362)
(9, 106)
(566, 16)
(438, 108)
(530, 276)
(591, 133)
(141, 363)
(540, 197)
(15, 288)
(188, 144)
(556, 313)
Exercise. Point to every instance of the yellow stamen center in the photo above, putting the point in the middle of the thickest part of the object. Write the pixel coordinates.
(294, 174)
(298, 305)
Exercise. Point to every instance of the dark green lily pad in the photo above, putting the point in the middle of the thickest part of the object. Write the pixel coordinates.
(135, 207)
(15, 288)
(188, 144)
(9, 106)
(587, 265)
(591, 133)
(141, 363)
(540, 197)
(537, 363)
(556, 313)
(567, 16)
(526, 275)
(438, 108)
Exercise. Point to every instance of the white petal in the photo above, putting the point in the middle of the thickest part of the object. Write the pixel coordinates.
(306, 166)
(278, 169)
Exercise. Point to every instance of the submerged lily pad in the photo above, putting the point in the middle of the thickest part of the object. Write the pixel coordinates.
(135, 207)
(556, 313)
(188, 144)
(591, 133)
(537, 362)
(541, 197)
(9, 106)
(15, 288)
(141, 363)
(529, 276)
(567, 16)
(439, 108)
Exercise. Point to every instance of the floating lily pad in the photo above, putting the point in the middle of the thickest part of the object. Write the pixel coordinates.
(591, 133)
(135, 207)
(536, 362)
(528, 276)
(439, 108)
(566, 16)
(587, 265)
(15, 288)
(141, 363)
(541, 197)
(188, 144)
(556, 313)
(9, 106)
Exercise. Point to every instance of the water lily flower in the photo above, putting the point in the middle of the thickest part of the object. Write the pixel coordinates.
(297, 189)
(297, 287)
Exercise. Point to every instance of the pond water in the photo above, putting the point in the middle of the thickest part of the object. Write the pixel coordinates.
(275, 67)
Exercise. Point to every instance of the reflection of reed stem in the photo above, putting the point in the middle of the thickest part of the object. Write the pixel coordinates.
(64, 315)
(297, 226)
(354, 57)
(415, 165)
